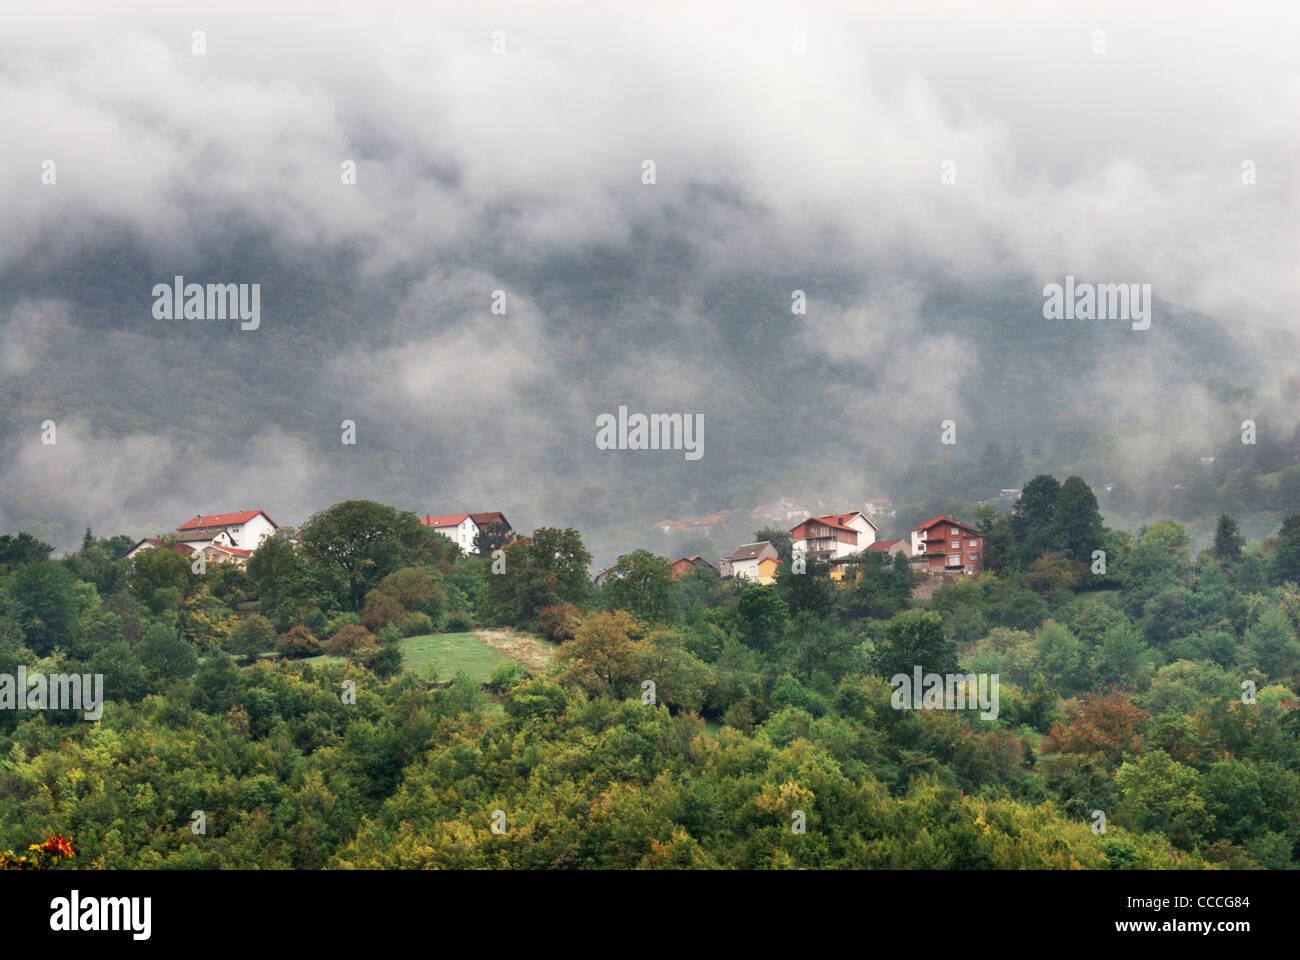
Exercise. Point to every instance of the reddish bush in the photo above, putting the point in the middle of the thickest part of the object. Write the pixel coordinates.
(380, 610)
(298, 642)
(558, 623)
(349, 640)
(1106, 723)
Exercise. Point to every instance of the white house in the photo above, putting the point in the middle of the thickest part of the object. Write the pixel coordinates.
(222, 537)
(744, 560)
(459, 528)
(242, 531)
(462, 528)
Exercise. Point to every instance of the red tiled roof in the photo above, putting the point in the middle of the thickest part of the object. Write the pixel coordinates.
(456, 519)
(233, 551)
(685, 523)
(447, 520)
(224, 520)
(884, 544)
(944, 519)
(844, 517)
(181, 548)
(830, 520)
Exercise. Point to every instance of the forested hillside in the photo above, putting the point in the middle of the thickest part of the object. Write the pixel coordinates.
(1146, 718)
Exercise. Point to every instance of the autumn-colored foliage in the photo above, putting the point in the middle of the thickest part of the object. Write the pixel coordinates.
(39, 856)
(349, 639)
(559, 622)
(1105, 723)
(380, 610)
(298, 641)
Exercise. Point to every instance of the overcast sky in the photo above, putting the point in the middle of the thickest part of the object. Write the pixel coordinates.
(1117, 166)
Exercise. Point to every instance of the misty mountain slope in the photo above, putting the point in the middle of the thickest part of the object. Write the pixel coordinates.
(920, 192)
(450, 399)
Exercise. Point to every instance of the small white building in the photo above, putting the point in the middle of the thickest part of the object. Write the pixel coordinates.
(744, 560)
(459, 528)
(463, 529)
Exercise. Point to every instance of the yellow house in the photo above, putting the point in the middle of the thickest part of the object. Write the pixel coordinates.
(767, 569)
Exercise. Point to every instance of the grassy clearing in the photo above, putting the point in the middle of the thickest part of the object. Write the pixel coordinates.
(476, 653)
(533, 652)
(446, 654)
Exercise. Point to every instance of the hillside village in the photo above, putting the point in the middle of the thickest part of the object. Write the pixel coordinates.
(941, 546)
(232, 537)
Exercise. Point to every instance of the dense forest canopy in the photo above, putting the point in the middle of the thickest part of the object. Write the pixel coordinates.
(1148, 714)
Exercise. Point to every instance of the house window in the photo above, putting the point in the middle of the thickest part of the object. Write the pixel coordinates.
(954, 531)
(974, 557)
(956, 545)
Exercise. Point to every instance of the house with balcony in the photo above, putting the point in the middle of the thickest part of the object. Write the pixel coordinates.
(834, 535)
(945, 545)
